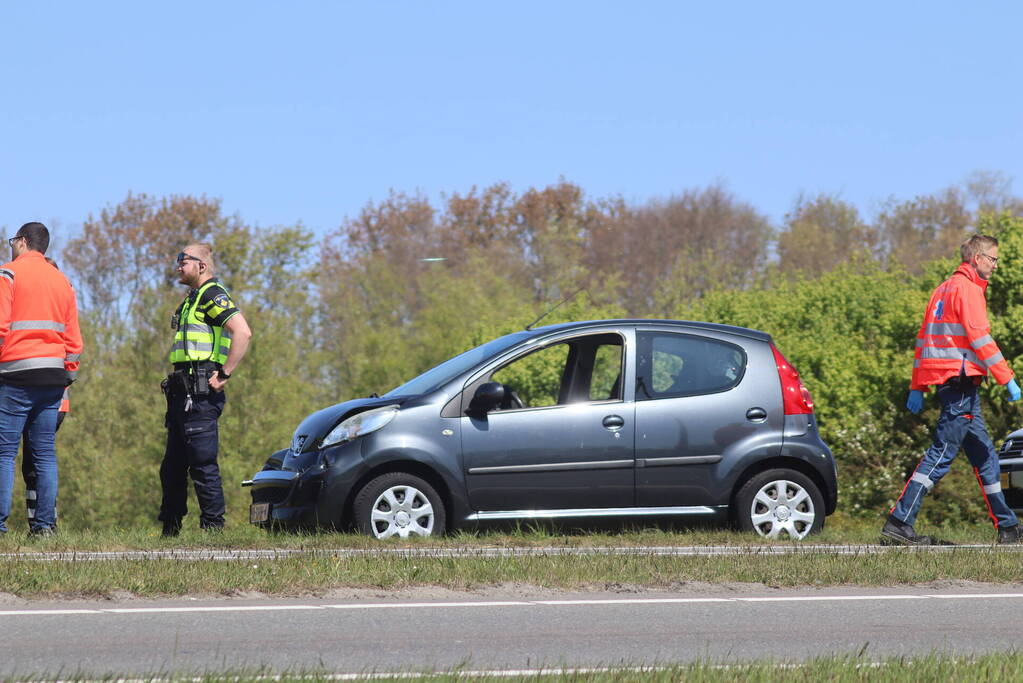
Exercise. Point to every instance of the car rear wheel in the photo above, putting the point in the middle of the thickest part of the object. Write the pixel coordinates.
(780, 503)
(399, 504)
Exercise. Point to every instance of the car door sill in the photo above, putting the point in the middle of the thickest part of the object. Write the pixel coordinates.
(594, 512)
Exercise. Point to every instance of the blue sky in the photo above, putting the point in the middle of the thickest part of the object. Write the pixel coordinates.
(305, 111)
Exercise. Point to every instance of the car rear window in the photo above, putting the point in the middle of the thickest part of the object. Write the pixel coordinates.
(671, 365)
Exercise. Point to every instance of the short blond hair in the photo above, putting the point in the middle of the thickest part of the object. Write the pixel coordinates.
(976, 244)
(204, 252)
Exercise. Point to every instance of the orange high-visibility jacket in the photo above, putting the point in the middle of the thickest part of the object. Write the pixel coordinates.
(40, 341)
(955, 336)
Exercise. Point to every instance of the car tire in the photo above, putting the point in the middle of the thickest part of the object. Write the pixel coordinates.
(399, 504)
(780, 503)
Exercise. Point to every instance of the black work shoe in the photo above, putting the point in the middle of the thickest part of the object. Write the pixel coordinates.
(1010, 534)
(42, 531)
(171, 528)
(896, 532)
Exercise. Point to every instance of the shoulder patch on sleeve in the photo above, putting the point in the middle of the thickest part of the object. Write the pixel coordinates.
(8, 274)
(222, 301)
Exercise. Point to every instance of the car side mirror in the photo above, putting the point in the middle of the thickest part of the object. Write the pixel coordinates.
(486, 397)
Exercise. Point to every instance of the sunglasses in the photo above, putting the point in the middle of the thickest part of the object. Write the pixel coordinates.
(182, 257)
(10, 240)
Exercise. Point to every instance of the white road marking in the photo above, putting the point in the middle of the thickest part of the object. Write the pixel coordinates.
(505, 603)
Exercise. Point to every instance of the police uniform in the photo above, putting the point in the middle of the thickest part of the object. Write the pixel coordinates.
(200, 347)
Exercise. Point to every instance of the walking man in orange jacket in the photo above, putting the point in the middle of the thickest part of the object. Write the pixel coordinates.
(40, 344)
(955, 352)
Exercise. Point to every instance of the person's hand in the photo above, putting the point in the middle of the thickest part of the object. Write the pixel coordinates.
(1013, 389)
(915, 402)
(217, 384)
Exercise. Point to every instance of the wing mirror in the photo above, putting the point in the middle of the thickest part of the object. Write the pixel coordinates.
(486, 397)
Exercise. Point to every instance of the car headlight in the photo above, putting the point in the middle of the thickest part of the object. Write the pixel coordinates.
(357, 425)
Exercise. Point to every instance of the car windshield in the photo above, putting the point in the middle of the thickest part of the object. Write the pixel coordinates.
(440, 375)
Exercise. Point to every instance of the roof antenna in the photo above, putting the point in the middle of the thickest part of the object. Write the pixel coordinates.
(556, 306)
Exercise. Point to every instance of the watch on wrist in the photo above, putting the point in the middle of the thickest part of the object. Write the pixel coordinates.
(222, 375)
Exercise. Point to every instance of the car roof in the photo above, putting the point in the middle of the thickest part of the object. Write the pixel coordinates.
(681, 324)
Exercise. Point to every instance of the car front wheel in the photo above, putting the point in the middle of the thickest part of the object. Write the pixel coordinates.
(779, 503)
(399, 504)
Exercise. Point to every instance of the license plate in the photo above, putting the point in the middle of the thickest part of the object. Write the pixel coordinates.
(259, 512)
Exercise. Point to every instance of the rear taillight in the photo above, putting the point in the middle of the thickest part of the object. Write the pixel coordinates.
(795, 396)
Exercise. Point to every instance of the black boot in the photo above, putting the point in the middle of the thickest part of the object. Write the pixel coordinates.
(1010, 535)
(171, 528)
(897, 532)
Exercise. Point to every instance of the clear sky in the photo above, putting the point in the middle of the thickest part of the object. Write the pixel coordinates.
(304, 111)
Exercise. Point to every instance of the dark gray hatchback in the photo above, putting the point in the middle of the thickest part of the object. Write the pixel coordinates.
(599, 419)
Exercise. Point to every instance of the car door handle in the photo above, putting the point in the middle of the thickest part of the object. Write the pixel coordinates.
(756, 414)
(614, 422)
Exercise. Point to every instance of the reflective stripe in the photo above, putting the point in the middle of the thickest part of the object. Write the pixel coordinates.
(922, 479)
(224, 350)
(72, 375)
(37, 325)
(201, 329)
(30, 494)
(983, 341)
(949, 353)
(72, 357)
(191, 345)
(919, 343)
(30, 513)
(993, 488)
(942, 329)
(31, 364)
(988, 362)
(4, 273)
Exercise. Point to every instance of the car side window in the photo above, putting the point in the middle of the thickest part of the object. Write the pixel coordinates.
(672, 365)
(606, 380)
(587, 368)
(535, 379)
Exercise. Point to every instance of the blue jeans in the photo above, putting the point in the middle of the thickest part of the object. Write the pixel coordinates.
(960, 425)
(32, 410)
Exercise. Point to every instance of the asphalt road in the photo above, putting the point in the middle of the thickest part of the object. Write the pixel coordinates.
(514, 631)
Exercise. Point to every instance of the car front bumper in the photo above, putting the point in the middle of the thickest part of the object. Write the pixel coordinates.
(284, 498)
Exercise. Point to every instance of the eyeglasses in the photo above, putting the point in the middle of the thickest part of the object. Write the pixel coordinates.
(10, 240)
(994, 260)
(182, 257)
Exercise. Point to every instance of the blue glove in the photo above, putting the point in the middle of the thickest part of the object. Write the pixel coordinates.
(915, 403)
(1013, 388)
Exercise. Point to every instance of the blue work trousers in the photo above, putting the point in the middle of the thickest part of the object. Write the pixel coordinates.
(31, 411)
(960, 425)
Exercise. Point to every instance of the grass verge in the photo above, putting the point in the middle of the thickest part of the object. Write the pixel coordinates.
(836, 669)
(320, 570)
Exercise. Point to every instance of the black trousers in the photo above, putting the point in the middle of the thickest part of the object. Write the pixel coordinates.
(192, 443)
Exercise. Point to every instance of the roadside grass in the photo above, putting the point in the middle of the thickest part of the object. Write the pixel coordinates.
(840, 530)
(320, 569)
(837, 669)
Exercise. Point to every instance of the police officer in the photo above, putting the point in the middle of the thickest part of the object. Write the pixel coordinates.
(210, 339)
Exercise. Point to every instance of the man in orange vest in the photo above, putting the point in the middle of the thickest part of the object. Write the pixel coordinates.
(955, 352)
(28, 469)
(40, 344)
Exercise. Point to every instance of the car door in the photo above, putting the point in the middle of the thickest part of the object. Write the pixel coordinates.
(563, 439)
(696, 404)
